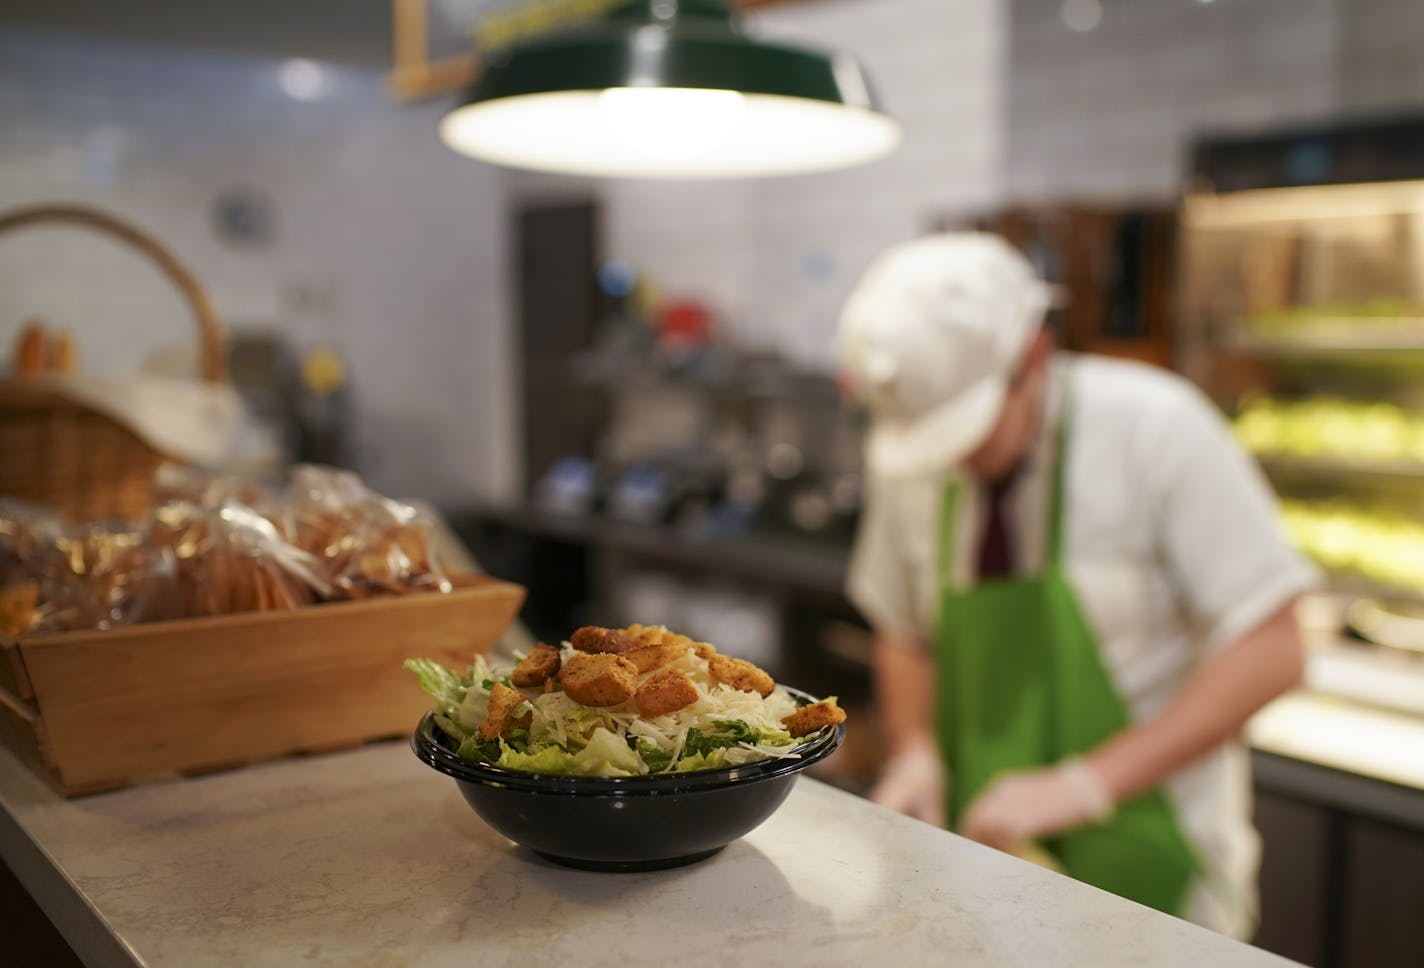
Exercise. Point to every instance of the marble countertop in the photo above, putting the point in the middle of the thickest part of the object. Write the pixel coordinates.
(368, 858)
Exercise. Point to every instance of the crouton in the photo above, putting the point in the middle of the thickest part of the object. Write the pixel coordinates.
(740, 674)
(810, 718)
(593, 639)
(500, 720)
(541, 664)
(665, 692)
(646, 634)
(649, 657)
(599, 679)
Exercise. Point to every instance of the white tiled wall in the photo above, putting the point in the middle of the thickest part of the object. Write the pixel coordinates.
(386, 244)
(778, 256)
(1109, 113)
(1003, 103)
(394, 248)
(1381, 43)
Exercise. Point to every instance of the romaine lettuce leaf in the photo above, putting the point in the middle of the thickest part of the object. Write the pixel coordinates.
(656, 758)
(550, 760)
(773, 737)
(451, 728)
(584, 721)
(730, 732)
(475, 706)
(713, 760)
(607, 754)
(478, 750)
(447, 687)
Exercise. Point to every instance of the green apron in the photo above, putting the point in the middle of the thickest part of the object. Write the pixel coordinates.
(1020, 683)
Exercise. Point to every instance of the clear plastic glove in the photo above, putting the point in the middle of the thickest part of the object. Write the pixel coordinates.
(1020, 807)
(912, 783)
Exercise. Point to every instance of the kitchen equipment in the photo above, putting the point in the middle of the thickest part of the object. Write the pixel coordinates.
(635, 823)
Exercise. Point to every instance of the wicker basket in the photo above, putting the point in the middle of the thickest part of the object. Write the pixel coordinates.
(63, 454)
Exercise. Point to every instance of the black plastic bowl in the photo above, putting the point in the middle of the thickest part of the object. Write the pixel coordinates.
(634, 823)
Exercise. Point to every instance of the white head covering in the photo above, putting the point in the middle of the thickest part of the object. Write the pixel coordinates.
(929, 340)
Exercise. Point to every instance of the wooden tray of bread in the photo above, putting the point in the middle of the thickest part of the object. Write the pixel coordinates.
(96, 710)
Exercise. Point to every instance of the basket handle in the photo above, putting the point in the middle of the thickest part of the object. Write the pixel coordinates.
(212, 342)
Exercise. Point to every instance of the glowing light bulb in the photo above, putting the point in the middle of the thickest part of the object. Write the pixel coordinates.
(671, 123)
(303, 80)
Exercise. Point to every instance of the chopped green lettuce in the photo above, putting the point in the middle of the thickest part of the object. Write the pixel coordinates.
(569, 739)
(478, 750)
(475, 706)
(451, 728)
(657, 758)
(607, 754)
(447, 687)
(731, 732)
(550, 760)
(518, 739)
(712, 760)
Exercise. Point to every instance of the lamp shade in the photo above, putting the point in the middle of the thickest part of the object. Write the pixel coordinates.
(669, 89)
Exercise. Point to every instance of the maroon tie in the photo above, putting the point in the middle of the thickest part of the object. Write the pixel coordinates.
(996, 551)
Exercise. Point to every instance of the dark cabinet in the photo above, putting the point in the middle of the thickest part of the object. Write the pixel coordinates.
(1384, 906)
(559, 309)
(1295, 888)
(1342, 867)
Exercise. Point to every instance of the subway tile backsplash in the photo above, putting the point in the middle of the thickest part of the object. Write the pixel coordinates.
(394, 248)
(383, 243)
(1004, 104)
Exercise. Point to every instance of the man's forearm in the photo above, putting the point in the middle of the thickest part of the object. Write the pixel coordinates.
(904, 689)
(1211, 708)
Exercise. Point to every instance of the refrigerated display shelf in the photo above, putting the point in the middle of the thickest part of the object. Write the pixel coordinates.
(1353, 585)
(1326, 342)
(1342, 466)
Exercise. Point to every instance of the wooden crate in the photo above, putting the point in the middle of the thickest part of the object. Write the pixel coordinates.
(98, 710)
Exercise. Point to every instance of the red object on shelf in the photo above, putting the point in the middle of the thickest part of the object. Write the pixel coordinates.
(684, 322)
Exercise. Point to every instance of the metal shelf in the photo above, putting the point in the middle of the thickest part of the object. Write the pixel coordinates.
(1336, 336)
(809, 564)
(1352, 584)
(1341, 466)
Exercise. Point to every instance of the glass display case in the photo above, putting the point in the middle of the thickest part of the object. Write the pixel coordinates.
(1302, 315)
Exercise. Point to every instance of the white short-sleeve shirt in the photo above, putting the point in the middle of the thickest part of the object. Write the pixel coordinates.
(1172, 544)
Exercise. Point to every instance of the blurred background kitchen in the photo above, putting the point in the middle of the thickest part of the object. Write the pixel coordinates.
(620, 394)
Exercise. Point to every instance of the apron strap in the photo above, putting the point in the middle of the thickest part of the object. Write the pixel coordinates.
(954, 488)
(1058, 498)
(948, 519)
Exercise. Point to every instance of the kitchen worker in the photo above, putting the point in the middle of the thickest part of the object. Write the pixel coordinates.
(1077, 583)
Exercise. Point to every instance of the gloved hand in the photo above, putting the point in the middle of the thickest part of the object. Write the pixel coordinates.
(1019, 807)
(912, 782)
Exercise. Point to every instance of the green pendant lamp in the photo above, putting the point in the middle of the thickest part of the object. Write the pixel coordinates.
(669, 89)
